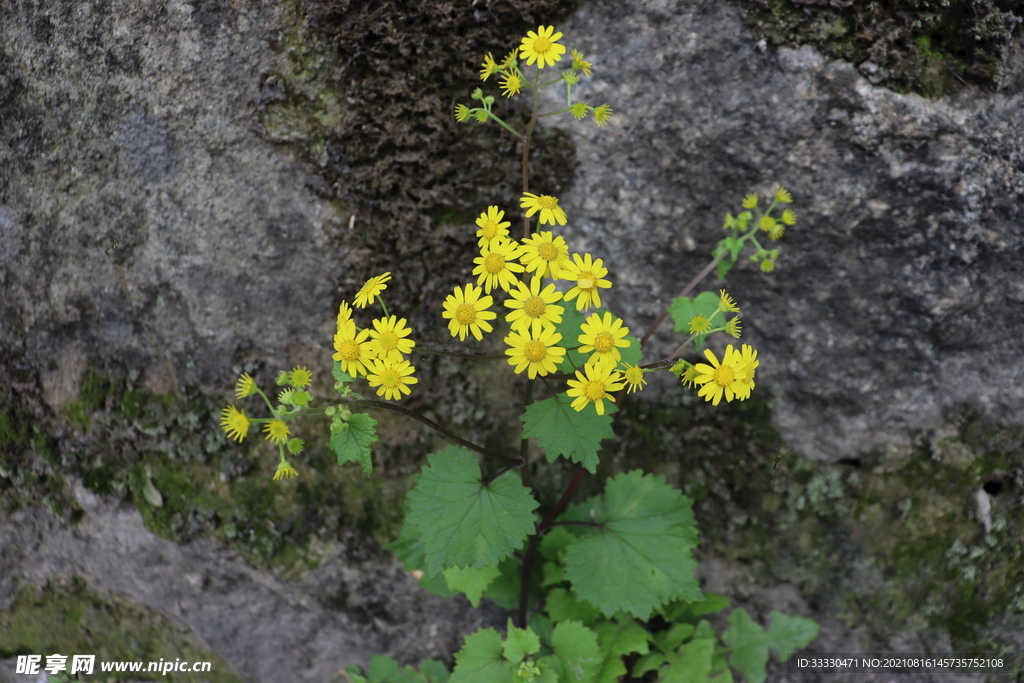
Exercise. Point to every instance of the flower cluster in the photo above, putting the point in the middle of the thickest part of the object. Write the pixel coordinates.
(378, 353)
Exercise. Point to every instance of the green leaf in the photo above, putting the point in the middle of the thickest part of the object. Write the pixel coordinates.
(480, 660)
(554, 542)
(462, 522)
(353, 444)
(562, 605)
(632, 354)
(504, 590)
(472, 582)
(560, 430)
(692, 664)
(574, 656)
(618, 639)
(672, 638)
(647, 662)
(640, 557)
(723, 269)
(434, 671)
(786, 635)
(339, 374)
(519, 642)
(569, 328)
(382, 668)
(683, 308)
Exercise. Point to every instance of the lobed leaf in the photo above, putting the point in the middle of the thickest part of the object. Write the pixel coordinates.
(354, 444)
(786, 635)
(560, 430)
(683, 308)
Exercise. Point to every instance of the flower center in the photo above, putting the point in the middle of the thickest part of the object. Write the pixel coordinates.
(594, 390)
(548, 251)
(604, 342)
(535, 351)
(387, 340)
(724, 375)
(534, 307)
(466, 314)
(541, 45)
(634, 375)
(586, 280)
(390, 378)
(547, 202)
(494, 263)
(489, 230)
(349, 350)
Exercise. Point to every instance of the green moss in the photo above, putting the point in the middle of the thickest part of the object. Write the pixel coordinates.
(931, 47)
(94, 389)
(70, 617)
(77, 415)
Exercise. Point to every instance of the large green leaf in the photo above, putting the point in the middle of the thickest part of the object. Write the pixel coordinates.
(575, 656)
(640, 557)
(785, 635)
(560, 430)
(480, 660)
(462, 522)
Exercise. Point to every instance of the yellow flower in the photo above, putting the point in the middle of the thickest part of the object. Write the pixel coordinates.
(277, 431)
(300, 377)
(720, 378)
(767, 266)
(726, 303)
(699, 324)
(372, 287)
(496, 264)
(602, 115)
(388, 339)
(536, 353)
(788, 217)
(782, 195)
(511, 85)
(246, 386)
(747, 364)
(353, 351)
(284, 471)
(598, 384)
(766, 223)
(393, 378)
(579, 110)
(234, 423)
(689, 376)
(733, 327)
(533, 308)
(750, 201)
(489, 67)
(550, 211)
(544, 254)
(776, 232)
(491, 226)
(634, 377)
(541, 47)
(468, 313)
(461, 113)
(603, 338)
(587, 274)
(345, 318)
(509, 60)
(580, 64)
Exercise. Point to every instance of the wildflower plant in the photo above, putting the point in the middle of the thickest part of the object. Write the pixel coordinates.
(586, 579)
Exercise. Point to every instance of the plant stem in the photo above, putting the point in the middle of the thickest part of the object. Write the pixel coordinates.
(371, 403)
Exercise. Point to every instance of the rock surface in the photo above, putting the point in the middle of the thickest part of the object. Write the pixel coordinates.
(897, 296)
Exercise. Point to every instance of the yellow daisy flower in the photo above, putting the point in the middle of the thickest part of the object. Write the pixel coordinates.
(747, 364)
(634, 378)
(544, 254)
(468, 313)
(689, 376)
(496, 265)
(782, 195)
(300, 377)
(699, 324)
(537, 353)
(550, 211)
(596, 386)
(507, 63)
(511, 85)
(392, 378)
(788, 217)
(533, 308)
(246, 386)
(602, 115)
(388, 339)
(461, 113)
(726, 302)
(345, 318)
(587, 274)
(541, 47)
(733, 327)
(234, 423)
(776, 232)
(372, 287)
(580, 109)
(767, 266)
(277, 431)
(491, 226)
(602, 338)
(284, 471)
(489, 67)
(353, 351)
(580, 64)
(750, 201)
(720, 377)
